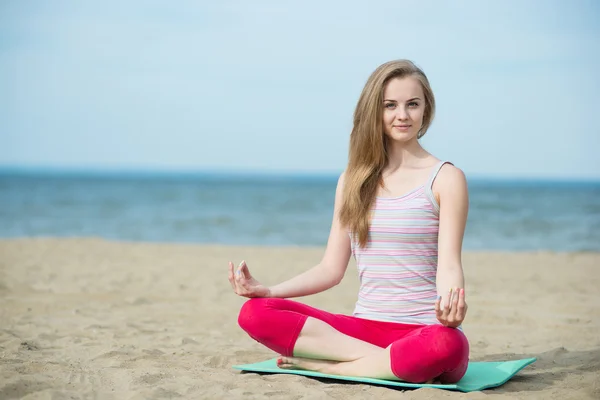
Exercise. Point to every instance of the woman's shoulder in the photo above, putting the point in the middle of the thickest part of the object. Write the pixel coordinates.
(450, 174)
(450, 180)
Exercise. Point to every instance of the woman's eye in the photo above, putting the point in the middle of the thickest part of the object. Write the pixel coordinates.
(413, 104)
(390, 105)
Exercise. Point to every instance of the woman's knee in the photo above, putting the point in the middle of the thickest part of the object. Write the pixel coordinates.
(251, 316)
(449, 343)
(452, 353)
(435, 351)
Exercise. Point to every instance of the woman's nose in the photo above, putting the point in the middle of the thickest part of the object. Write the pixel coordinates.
(401, 113)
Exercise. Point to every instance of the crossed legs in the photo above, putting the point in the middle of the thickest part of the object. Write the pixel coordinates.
(313, 339)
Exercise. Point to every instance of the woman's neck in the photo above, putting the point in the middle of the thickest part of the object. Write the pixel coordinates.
(409, 154)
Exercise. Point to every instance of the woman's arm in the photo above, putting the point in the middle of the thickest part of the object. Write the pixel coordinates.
(453, 198)
(330, 271)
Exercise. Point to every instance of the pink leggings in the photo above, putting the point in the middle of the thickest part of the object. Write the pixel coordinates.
(418, 352)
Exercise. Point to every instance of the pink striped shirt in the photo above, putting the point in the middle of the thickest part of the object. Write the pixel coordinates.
(397, 268)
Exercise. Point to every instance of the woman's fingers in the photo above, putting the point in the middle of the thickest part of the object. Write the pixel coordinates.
(239, 275)
(241, 280)
(438, 307)
(236, 279)
(452, 310)
(230, 276)
(455, 296)
(461, 308)
(448, 304)
(245, 270)
(238, 270)
(453, 305)
(244, 288)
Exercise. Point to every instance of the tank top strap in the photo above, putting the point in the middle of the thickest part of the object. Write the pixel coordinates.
(435, 171)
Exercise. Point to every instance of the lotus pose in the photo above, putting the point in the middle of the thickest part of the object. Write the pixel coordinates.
(401, 213)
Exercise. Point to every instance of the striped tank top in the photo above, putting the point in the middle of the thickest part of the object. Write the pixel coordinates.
(397, 268)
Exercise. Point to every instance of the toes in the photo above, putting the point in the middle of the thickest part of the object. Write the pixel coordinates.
(284, 362)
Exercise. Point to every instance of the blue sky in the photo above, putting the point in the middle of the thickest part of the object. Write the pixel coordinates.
(271, 85)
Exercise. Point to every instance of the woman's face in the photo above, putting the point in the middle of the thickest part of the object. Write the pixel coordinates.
(403, 108)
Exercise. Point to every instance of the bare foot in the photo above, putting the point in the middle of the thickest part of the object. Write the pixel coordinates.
(323, 366)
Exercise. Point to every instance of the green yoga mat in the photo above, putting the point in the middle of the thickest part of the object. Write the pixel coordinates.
(479, 376)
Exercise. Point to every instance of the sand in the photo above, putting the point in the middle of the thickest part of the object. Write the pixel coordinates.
(90, 318)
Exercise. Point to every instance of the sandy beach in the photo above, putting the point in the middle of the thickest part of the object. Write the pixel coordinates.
(90, 318)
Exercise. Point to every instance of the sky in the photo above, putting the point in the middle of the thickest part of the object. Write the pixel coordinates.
(271, 86)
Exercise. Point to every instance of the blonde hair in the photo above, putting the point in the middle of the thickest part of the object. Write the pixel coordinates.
(368, 144)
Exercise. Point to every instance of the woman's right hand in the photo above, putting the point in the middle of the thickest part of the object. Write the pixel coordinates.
(244, 284)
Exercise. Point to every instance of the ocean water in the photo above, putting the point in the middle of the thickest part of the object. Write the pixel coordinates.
(255, 210)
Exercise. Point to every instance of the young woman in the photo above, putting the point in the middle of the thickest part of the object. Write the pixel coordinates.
(401, 212)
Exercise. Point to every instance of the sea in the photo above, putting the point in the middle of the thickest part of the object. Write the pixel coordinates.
(276, 210)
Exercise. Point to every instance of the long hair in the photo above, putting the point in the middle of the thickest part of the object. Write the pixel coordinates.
(369, 144)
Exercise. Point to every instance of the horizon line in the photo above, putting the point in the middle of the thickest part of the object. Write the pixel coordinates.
(15, 171)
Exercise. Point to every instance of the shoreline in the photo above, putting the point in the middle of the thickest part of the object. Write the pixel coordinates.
(269, 246)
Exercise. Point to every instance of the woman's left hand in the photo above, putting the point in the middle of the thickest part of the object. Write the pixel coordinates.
(454, 310)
